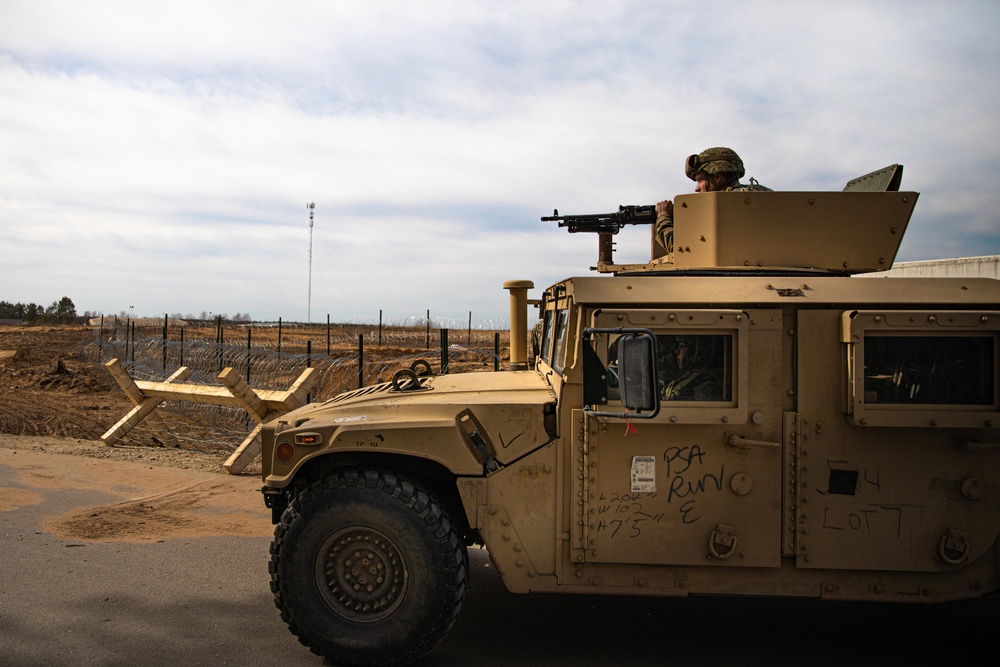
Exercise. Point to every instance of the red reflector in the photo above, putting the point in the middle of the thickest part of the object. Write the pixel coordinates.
(285, 451)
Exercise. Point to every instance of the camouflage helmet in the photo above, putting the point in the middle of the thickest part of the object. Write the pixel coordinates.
(700, 350)
(714, 161)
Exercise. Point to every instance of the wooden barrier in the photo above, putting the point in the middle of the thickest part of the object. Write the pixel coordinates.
(262, 404)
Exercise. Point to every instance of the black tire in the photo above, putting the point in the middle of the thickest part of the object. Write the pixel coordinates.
(367, 569)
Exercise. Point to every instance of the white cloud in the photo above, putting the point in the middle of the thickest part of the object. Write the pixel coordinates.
(163, 159)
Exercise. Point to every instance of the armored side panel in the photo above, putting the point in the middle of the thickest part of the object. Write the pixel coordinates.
(847, 232)
(904, 480)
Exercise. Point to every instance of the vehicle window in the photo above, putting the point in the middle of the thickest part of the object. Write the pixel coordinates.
(546, 352)
(695, 367)
(691, 367)
(929, 370)
(702, 362)
(559, 350)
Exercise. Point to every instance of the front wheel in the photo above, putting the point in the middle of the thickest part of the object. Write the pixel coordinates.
(367, 569)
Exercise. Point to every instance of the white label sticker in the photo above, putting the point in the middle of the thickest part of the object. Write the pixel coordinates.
(358, 418)
(643, 474)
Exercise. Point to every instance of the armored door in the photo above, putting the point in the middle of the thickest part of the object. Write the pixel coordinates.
(700, 483)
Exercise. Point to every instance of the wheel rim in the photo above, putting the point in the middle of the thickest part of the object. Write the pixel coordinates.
(361, 574)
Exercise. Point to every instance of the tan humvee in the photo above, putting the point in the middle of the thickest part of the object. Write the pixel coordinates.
(738, 417)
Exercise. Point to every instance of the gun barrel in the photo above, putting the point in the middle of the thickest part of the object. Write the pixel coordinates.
(605, 222)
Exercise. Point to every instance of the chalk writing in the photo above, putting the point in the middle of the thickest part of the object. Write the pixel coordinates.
(686, 509)
(871, 476)
(881, 519)
(690, 475)
(627, 513)
(680, 459)
(681, 487)
(686, 468)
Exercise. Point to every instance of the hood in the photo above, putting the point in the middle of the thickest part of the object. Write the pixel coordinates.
(381, 401)
(462, 421)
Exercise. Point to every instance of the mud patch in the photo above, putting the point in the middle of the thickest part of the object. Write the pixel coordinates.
(12, 499)
(197, 510)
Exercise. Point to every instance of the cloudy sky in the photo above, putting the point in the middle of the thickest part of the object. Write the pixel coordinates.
(161, 155)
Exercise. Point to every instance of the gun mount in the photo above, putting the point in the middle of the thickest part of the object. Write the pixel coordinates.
(824, 232)
(854, 231)
(605, 223)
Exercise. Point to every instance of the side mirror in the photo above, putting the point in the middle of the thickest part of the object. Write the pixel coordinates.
(636, 360)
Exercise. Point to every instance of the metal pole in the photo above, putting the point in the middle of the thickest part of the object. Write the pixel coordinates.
(328, 334)
(361, 361)
(309, 352)
(164, 341)
(496, 351)
(311, 206)
(427, 343)
(219, 339)
(468, 340)
(246, 418)
(444, 351)
(380, 327)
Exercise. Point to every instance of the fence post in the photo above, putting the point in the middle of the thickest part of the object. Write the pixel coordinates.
(328, 334)
(361, 361)
(100, 342)
(444, 351)
(219, 339)
(279, 338)
(380, 327)
(496, 351)
(427, 343)
(468, 339)
(165, 322)
(133, 342)
(182, 347)
(309, 363)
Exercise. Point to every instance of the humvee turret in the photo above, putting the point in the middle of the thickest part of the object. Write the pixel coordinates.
(737, 416)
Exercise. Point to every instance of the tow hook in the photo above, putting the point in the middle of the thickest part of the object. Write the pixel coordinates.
(722, 543)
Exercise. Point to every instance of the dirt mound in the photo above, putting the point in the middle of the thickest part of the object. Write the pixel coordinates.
(151, 499)
(48, 387)
(201, 508)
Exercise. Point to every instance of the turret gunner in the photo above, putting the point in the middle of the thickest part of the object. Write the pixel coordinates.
(713, 170)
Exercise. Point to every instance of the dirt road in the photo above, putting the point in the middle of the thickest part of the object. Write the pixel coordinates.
(149, 555)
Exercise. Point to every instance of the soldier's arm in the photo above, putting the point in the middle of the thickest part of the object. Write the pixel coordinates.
(664, 228)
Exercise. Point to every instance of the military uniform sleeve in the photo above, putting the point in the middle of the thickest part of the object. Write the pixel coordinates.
(664, 233)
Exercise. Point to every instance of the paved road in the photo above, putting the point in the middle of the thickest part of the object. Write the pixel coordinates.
(204, 601)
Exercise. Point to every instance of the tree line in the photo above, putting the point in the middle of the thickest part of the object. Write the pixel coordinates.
(62, 311)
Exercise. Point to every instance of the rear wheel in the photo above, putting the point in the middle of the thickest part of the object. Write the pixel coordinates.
(367, 569)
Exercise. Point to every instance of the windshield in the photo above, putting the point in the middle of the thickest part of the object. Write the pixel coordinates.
(559, 351)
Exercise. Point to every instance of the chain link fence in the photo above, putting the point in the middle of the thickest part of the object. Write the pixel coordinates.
(272, 356)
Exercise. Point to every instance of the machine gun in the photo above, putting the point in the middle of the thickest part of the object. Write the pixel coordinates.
(606, 223)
